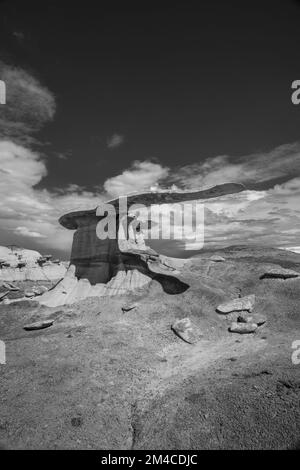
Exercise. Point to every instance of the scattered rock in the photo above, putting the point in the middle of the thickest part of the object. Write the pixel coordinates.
(217, 258)
(39, 290)
(29, 294)
(243, 328)
(184, 329)
(3, 294)
(127, 308)
(280, 273)
(10, 286)
(257, 318)
(243, 303)
(38, 325)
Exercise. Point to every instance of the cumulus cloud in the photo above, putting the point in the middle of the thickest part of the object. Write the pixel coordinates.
(26, 211)
(115, 141)
(25, 232)
(29, 105)
(254, 168)
(139, 177)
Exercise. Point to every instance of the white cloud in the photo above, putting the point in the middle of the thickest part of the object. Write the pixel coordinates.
(25, 232)
(269, 217)
(29, 105)
(115, 141)
(139, 177)
(257, 167)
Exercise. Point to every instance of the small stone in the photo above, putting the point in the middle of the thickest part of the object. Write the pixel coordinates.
(29, 294)
(184, 329)
(3, 295)
(243, 328)
(38, 325)
(235, 305)
(280, 273)
(127, 308)
(257, 318)
(39, 290)
(217, 258)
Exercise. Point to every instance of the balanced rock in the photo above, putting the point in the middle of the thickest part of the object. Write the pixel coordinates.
(184, 329)
(280, 273)
(243, 328)
(236, 305)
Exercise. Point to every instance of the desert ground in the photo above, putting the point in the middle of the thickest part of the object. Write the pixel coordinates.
(102, 378)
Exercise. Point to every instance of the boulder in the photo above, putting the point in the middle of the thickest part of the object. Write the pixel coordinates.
(184, 329)
(236, 305)
(280, 273)
(243, 328)
(257, 318)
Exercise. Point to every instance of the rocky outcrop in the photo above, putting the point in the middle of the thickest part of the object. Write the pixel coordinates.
(24, 265)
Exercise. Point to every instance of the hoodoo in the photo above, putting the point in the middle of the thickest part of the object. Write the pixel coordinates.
(111, 266)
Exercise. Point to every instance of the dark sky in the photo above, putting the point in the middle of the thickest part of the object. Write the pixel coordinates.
(182, 81)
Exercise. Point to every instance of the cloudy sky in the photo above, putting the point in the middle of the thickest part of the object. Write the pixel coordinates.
(113, 98)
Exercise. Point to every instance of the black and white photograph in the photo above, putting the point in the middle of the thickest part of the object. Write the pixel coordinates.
(149, 228)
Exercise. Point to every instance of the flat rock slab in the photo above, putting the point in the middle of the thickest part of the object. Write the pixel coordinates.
(280, 273)
(236, 305)
(40, 325)
(243, 328)
(184, 329)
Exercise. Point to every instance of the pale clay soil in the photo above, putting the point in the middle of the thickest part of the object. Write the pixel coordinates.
(103, 379)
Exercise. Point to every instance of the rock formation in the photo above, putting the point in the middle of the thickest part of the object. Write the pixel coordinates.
(17, 264)
(111, 266)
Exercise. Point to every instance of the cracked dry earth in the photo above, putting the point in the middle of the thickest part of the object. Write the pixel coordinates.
(103, 379)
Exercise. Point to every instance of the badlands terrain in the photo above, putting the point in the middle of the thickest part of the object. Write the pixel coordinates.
(110, 373)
